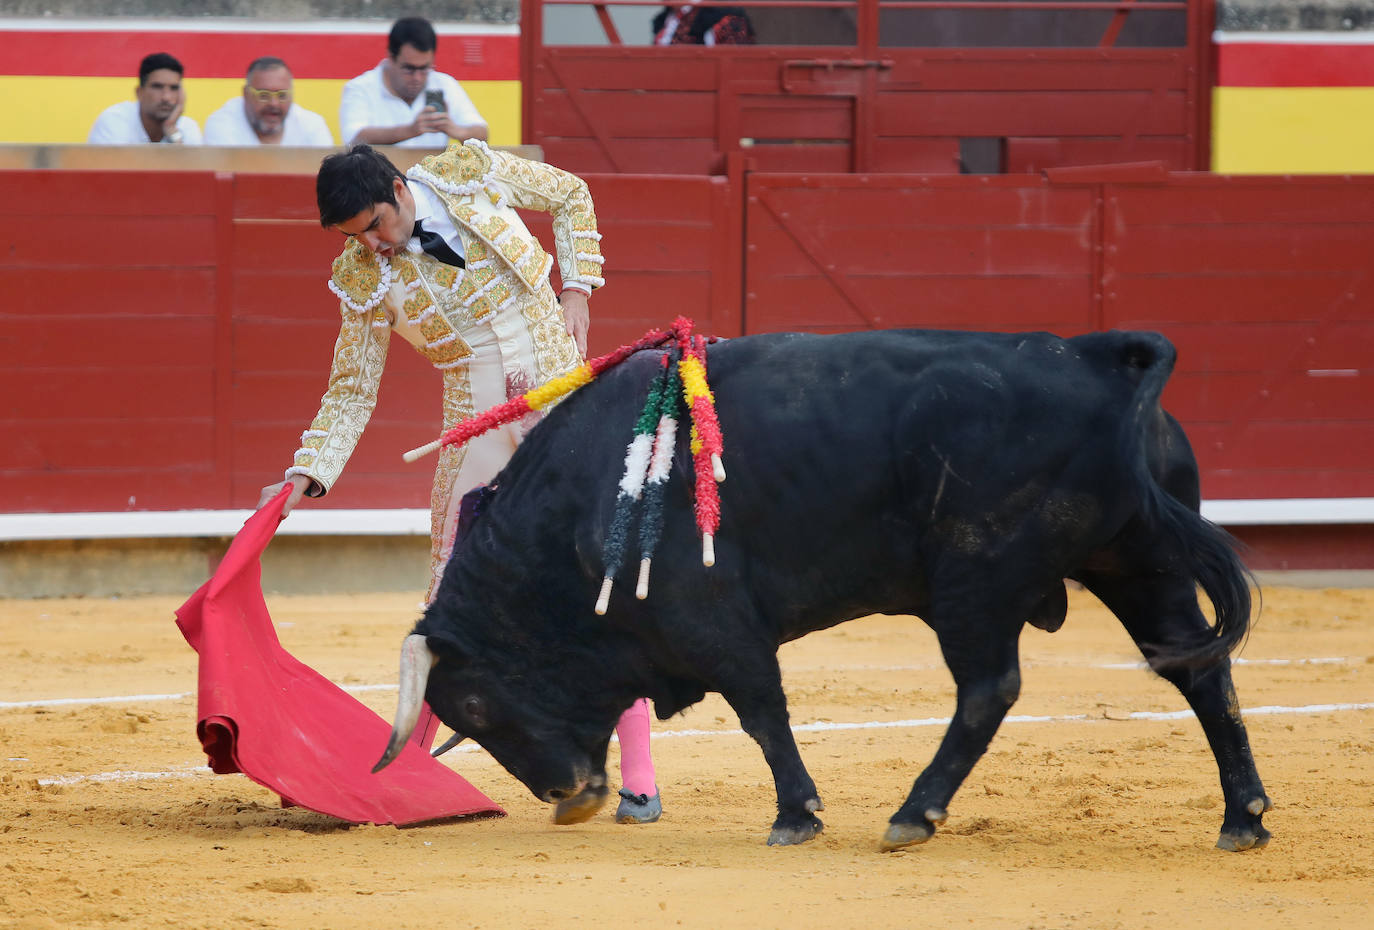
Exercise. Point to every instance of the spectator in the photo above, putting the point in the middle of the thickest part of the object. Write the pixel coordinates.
(404, 101)
(156, 113)
(688, 24)
(265, 115)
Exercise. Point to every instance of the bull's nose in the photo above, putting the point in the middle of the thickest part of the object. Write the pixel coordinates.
(558, 794)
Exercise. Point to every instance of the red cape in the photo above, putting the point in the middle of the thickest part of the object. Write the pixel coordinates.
(287, 727)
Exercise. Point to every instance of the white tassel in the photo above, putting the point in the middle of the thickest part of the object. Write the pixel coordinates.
(604, 599)
(717, 468)
(708, 550)
(642, 589)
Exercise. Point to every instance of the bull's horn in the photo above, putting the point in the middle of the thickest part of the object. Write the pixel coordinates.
(416, 661)
(449, 743)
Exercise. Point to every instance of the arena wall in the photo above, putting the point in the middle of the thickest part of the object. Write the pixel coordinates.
(180, 355)
(169, 369)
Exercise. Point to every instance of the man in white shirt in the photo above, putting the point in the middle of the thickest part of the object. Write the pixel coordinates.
(155, 115)
(404, 101)
(265, 114)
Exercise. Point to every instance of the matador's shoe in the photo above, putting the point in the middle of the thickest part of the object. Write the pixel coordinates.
(638, 808)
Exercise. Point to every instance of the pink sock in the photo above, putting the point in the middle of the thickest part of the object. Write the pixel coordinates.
(636, 764)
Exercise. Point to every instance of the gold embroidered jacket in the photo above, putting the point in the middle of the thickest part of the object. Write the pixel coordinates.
(504, 286)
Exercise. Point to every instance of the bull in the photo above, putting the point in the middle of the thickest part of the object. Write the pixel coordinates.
(955, 477)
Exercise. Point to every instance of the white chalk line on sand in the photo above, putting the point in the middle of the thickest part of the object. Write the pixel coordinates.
(146, 698)
(822, 726)
(359, 689)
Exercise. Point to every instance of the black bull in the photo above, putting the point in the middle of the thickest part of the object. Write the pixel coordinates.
(957, 477)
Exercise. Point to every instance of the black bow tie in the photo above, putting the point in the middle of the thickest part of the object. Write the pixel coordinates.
(434, 244)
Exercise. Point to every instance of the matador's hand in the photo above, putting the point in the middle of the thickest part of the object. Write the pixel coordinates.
(577, 316)
(299, 484)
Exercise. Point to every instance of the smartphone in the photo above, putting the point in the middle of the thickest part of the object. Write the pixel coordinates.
(435, 100)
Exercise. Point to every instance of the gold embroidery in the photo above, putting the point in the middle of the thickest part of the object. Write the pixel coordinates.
(457, 405)
(416, 304)
(444, 276)
(347, 404)
(357, 274)
(427, 310)
(515, 248)
(491, 227)
(458, 164)
(498, 293)
(476, 279)
(536, 266)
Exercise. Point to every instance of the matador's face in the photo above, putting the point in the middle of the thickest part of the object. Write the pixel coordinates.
(384, 228)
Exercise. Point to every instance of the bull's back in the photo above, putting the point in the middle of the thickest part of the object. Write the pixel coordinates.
(901, 413)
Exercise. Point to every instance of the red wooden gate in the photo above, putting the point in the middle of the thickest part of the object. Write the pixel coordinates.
(830, 253)
(873, 85)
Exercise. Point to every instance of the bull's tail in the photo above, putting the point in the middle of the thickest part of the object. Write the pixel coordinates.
(1208, 552)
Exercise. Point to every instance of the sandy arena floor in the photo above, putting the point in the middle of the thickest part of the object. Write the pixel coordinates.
(108, 818)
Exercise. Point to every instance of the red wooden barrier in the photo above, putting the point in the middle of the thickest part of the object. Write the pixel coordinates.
(1262, 284)
(166, 336)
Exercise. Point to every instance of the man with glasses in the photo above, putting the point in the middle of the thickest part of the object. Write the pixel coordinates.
(404, 101)
(265, 114)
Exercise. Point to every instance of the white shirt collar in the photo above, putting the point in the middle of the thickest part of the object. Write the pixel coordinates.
(429, 209)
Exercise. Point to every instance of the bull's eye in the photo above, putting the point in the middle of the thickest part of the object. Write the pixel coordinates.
(475, 712)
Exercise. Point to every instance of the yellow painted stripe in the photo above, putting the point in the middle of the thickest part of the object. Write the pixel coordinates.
(62, 109)
(1293, 130)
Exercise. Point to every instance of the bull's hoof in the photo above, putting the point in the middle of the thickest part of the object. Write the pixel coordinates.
(1240, 840)
(902, 835)
(581, 806)
(795, 834)
(1240, 832)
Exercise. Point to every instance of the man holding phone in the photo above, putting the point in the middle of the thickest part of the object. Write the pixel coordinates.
(404, 101)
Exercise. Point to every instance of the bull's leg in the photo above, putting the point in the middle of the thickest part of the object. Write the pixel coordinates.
(987, 677)
(1162, 610)
(757, 697)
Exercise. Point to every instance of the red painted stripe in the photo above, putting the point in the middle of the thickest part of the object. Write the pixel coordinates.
(1264, 64)
(227, 54)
